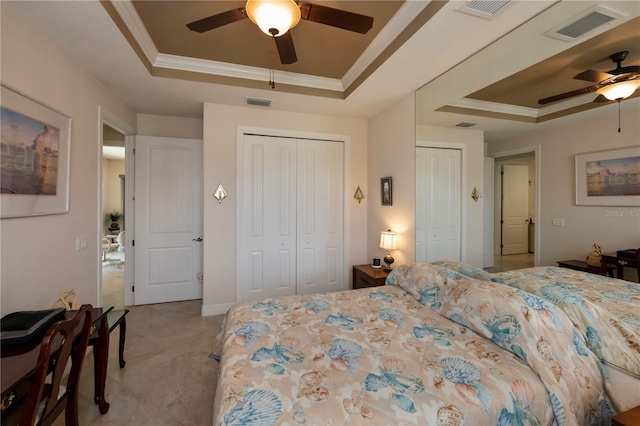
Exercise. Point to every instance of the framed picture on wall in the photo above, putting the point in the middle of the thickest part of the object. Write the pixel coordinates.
(608, 178)
(34, 158)
(386, 191)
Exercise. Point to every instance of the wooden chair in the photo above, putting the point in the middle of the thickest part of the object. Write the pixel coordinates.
(45, 401)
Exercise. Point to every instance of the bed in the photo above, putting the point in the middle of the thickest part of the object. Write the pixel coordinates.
(433, 346)
(605, 310)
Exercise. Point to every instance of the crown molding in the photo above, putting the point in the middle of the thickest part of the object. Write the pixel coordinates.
(130, 18)
(396, 25)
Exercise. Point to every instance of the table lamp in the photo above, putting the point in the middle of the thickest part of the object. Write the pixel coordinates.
(388, 241)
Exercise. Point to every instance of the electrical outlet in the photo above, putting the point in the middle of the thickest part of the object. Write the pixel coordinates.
(557, 222)
(81, 243)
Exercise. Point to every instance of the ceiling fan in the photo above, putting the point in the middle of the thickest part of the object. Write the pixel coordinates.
(277, 17)
(617, 84)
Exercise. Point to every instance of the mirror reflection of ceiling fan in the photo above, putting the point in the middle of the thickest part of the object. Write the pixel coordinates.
(276, 17)
(614, 85)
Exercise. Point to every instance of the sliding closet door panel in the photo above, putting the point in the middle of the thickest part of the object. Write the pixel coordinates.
(267, 244)
(320, 181)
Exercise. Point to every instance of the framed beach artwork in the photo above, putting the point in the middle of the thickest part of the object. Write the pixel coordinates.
(608, 178)
(34, 157)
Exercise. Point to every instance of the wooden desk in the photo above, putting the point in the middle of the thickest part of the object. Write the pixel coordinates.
(581, 265)
(620, 262)
(100, 342)
(18, 364)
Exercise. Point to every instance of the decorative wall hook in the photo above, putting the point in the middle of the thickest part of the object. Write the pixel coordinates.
(358, 195)
(475, 194)
(220, 194)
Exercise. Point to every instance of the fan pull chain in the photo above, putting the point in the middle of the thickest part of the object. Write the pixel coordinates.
(618, 115)
(272, 73)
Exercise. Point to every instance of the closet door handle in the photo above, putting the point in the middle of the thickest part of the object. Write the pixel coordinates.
(197, 239)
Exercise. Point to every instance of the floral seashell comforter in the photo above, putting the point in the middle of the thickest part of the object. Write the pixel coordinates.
(431, 347)
(605, 310)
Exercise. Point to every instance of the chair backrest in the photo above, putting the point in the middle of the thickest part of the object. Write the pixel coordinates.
(121, 240)
(64, 340)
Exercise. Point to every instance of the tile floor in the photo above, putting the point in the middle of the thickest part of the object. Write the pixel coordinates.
(511, 262)
(169, 378)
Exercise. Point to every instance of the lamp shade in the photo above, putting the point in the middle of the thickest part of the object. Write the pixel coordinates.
(621, 90)
(389, 240)
(274, 17)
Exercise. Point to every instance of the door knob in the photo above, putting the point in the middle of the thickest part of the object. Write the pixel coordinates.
(197, 239)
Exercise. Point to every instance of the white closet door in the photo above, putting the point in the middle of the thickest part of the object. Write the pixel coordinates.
(267, 231)
(320, 253)
(442, 185)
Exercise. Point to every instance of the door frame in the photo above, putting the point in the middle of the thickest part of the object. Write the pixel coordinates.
(107, 117)
(536, 151)
(294, 134)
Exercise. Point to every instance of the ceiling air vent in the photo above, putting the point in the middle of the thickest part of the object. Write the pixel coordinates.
(466, 124)
(484, 8)
(259, 102)
(590, 22)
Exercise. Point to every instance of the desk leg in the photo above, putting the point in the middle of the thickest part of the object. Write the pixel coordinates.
(123, 332)
(100, 359)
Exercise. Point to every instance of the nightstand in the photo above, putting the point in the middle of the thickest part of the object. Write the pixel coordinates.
(631, 417)
(368, 276)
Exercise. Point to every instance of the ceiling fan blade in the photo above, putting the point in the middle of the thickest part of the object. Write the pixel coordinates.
(286, 50)
(592, 75)
(601, 98)
(336, 18)
(568, 95)
(215, 21)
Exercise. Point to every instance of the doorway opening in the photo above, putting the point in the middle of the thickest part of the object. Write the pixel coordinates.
(516, 207)
(113, 218)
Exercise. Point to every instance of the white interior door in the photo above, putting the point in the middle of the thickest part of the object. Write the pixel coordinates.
(168, 217)
(439, 204)
(515, 208)
(267, 232)
(290, 217)
(320, 197)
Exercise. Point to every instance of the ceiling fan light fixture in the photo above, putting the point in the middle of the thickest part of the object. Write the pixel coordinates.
(618, 91)
(274, 17)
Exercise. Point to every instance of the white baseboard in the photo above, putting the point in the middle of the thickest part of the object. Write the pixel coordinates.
(208, 310)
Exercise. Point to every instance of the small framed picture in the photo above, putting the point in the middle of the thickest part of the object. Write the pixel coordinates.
(387, 191)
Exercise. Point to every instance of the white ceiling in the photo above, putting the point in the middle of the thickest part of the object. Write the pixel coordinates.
(453, 54)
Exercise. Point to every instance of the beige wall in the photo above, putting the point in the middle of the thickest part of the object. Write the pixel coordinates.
(221, 123)
(392, 153)
(169, 127)
(584, 225)
(38, 254)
